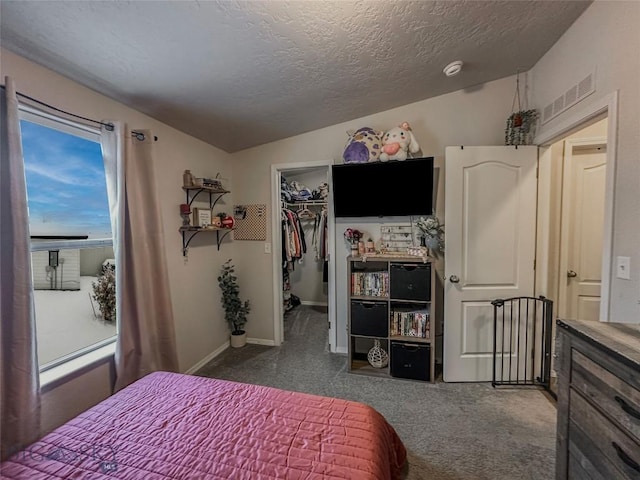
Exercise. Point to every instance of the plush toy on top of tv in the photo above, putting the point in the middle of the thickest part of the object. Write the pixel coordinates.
(398, 142)
(364, 145)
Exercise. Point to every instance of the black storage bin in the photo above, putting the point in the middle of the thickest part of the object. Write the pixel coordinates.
(410, 360)
(410, 281)
(369, 318)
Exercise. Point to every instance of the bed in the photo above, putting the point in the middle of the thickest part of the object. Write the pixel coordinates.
(169, 425)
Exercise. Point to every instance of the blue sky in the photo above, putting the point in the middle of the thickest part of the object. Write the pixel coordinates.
(66, 186)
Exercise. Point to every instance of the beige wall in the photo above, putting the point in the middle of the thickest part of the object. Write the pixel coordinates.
(476, 116)
(605, 38)
(200, 326)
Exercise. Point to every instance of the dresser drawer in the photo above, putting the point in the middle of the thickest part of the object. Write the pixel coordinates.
(609, 393)
(598, 444)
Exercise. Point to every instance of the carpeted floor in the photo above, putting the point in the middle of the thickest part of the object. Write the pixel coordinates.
(451, 431)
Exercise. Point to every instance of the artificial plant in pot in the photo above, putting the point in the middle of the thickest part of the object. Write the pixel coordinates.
(235, 310)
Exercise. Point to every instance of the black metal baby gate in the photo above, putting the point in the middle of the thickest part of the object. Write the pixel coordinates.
(522, 329)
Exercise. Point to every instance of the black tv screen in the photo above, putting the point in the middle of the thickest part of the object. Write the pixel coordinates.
(383, 189)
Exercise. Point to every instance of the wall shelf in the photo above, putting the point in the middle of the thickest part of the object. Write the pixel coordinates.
(189, 232)
(215, 194)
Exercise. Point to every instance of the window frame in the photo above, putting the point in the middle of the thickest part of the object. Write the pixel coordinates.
(104, 349)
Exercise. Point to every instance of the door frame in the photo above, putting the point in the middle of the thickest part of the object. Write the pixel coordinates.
(570, 145)
(276, 241)
(606, 105)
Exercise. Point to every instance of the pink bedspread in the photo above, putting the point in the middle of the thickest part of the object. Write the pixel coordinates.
(168, 425)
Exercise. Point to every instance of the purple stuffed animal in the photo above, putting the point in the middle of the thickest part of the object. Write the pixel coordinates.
(364, 145)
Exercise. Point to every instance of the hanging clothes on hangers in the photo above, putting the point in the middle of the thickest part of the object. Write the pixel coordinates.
(294, 243)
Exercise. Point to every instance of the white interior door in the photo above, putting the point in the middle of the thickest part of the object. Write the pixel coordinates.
(582, 230)
(490, 218)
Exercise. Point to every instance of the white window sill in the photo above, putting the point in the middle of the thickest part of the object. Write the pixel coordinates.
(59, 374)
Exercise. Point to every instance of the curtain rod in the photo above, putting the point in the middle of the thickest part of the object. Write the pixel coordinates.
(108, 126)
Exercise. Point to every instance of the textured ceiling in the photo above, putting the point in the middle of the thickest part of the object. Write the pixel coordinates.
(240, 74)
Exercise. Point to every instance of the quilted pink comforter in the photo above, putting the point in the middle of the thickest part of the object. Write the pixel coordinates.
(168, 425)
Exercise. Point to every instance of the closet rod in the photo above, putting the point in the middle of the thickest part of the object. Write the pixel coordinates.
(108, 126)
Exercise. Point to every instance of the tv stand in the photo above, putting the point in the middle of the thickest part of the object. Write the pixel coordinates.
(391, 301)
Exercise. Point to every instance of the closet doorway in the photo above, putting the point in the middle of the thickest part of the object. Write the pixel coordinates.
(574, 261)
(303, 279)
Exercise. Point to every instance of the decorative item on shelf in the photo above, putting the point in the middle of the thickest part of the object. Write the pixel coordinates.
(395, 238)
(187, 178)
(201, 217)
(353, 236)
(521, 123)
(212, 183)
(235, 311)
(363, 146)
(370, 246)
(431, 234)
(225, 220)
(104, 292)
(197, 182)
(421, 251)
(377, 357)
(398, 143)
(361, 250)
(185, 213)
(228, 222)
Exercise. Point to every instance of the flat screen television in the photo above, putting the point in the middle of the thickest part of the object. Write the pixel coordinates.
(383, 189)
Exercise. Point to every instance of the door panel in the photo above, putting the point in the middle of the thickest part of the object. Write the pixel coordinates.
(489, 250)
(490, 238)
(582, 232)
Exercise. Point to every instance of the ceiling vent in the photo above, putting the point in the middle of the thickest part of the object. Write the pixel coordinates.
(573, 95)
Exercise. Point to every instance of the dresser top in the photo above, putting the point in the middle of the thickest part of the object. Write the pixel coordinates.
(622, 340)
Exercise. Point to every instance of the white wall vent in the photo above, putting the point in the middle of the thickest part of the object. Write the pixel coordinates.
(573, 95)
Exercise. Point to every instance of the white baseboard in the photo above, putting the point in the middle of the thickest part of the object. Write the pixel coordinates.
(261, 341)
(208, 358)
(314, 304)
(341, 350)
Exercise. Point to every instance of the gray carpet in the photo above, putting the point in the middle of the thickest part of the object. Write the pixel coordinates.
(451, 431)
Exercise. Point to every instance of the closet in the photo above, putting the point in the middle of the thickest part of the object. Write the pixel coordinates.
(303, 251)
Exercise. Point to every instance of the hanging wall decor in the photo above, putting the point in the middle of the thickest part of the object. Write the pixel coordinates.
(521, 123)
(250, 222)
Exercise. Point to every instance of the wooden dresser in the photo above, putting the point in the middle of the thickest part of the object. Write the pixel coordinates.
(598, 434)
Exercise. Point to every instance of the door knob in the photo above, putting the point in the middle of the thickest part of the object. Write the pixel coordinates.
(454, 279)
(571, 274)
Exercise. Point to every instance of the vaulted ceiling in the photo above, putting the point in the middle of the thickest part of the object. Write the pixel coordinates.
(242, 73)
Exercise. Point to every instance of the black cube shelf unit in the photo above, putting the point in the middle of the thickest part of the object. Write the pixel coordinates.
(391, 299)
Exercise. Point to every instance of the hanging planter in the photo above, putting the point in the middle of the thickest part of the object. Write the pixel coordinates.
(521, 124)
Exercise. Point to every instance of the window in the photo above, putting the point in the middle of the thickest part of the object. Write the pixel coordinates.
(71, 241)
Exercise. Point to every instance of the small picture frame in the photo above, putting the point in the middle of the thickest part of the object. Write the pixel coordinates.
(201, 217)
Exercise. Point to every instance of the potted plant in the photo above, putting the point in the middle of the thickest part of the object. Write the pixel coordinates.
(104, 292)
(235, 311)
(431, 234)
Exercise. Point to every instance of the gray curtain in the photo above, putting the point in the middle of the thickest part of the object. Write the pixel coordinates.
(146, 335)
(19, 376)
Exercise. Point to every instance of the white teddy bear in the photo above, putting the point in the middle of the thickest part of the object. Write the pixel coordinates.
(397, 141)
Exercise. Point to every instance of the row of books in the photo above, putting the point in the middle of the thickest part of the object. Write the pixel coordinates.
(411, 324)
(371, 284)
